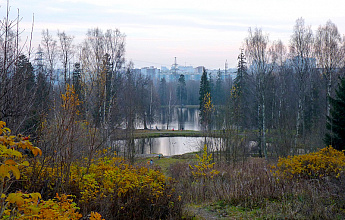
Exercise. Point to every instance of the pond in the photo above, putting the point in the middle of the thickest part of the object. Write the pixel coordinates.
(167, 146)
(180, 118)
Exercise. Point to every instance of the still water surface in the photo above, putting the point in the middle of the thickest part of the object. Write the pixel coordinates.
(168, 146)
(181, 118)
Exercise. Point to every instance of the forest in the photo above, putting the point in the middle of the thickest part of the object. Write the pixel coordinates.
(64, 103)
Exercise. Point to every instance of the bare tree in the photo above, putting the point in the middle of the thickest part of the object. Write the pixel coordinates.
(301, 44)
(17, 80)
(329, 53)
(50, 51)
(66, 51)
(256, 48)
(102, 58)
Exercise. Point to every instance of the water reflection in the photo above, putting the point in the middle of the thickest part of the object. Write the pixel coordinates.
(181, 118)
(167, 146)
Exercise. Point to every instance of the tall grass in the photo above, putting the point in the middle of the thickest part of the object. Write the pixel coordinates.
(252, 185)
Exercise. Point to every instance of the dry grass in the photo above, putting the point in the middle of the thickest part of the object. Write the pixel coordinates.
(252, 186)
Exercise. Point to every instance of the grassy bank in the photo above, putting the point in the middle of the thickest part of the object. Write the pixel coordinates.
(154, 133)
(257, 189)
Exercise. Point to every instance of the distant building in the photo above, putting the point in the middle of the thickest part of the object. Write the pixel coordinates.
(186, 69)
(199, 69)
(164, 69)
(189, 72)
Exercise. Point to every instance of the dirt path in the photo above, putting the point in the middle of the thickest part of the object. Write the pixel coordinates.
(201, 214)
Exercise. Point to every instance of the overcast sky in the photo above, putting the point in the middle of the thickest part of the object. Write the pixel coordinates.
(197, 32)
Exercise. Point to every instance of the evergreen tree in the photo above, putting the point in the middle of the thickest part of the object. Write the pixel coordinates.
(240, 93)
(218, 91)
(181, 90)
(42, 99)
(22, 96)
(211, 83)
(336, 121)
(77, 83)
(203, 92)
(163, 92)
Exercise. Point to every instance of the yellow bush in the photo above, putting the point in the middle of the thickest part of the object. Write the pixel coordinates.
(107, 184)
(204, 168)
(113, 187)
(114, 177)
(19, 205)
(326, 162)
(127, 188)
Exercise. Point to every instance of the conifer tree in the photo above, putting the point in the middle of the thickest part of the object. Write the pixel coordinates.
(240, 93)
(203, 92)
(181, 90)
(218, 91)
(77, 83)
(336, 121)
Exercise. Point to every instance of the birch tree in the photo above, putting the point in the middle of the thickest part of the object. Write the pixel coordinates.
(50, 51)
(301, 44)
(256, 49)
(329, 54)
(66, 52)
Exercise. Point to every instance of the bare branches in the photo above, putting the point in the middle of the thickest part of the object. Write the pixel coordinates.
(66, 51)
(329, 53)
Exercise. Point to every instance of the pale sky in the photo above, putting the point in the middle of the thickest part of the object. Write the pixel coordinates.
(197, 32)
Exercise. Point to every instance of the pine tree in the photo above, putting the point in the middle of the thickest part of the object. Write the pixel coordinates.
(218, 91)
(21, 97)
(77, 83)
(336, 121)
(163, 92)
(203, 92)
(240, 93)
(181, 90)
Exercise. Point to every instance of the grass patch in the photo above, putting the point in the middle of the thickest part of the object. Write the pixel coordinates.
(165, 162)
(228, 211)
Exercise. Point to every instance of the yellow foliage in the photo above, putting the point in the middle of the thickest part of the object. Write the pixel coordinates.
(70, 100)
(112, 176)
(204, 168)
(96, 216)
(27, 206)
(208, 106)
(21, 205)
(10, 157)
(110, 180)
(327, 162)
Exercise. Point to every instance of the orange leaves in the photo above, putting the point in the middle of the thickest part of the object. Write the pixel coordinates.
(2, 124)
(36, 151)
(96, 216)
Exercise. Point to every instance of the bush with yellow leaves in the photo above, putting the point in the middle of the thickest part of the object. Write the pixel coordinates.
(19, 205)
(119, 190)
(114, 188)
(326, 162)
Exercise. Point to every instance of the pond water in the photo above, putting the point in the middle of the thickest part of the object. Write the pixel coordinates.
(185, 118)
(181, 118)
(167, 146)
